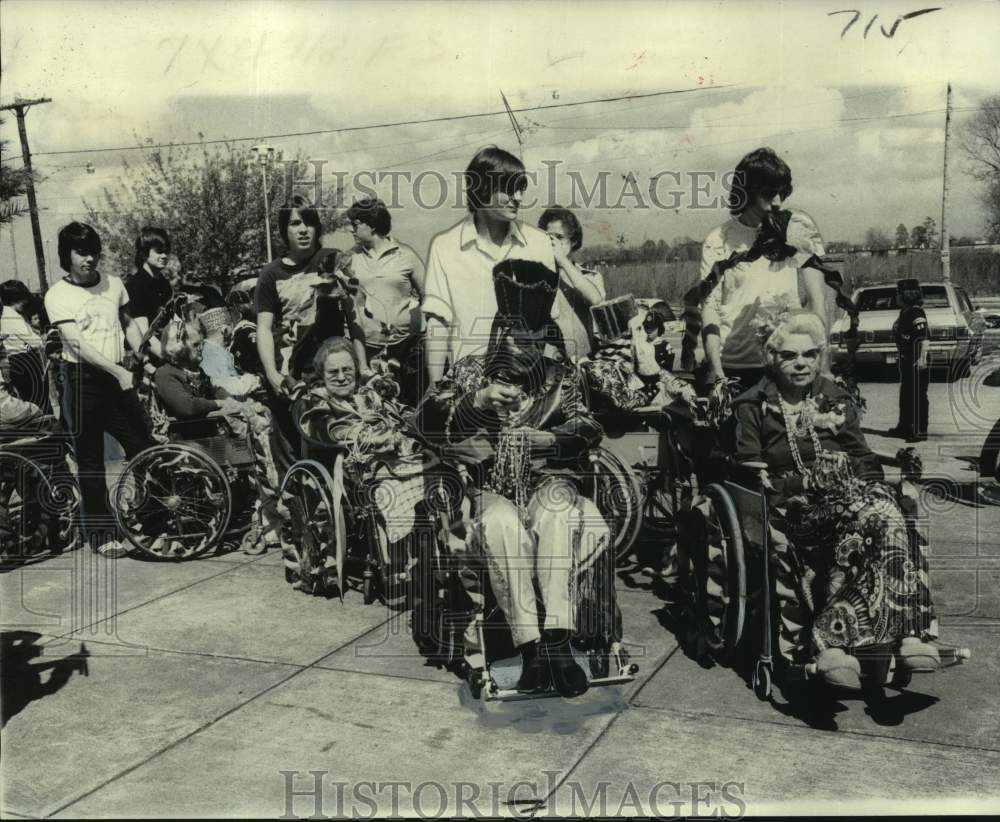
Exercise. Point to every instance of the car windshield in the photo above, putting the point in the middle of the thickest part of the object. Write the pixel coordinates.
(884, 299)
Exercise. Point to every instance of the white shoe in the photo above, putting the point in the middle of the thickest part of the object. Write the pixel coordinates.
(112, 549)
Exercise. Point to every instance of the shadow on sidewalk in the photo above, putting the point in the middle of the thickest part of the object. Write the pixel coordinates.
(22, 681)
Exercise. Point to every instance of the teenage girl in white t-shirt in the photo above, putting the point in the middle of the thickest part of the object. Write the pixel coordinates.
(762, 182)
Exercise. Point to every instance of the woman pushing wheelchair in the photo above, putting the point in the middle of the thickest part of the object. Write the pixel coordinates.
(851, 580)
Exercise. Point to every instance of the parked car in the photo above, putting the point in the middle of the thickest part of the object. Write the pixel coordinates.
(956, 328)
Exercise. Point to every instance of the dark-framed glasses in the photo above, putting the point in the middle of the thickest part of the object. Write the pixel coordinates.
(791, 356)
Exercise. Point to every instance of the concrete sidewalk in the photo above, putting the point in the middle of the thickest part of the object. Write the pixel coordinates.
(207, 679)
(209, 688)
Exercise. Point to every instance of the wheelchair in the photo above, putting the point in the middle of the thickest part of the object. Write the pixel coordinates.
(726, 563)
(449, 613)
(38, 502)
(335, 538)
(183, 497)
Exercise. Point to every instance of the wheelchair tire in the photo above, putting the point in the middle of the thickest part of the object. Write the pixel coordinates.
(616, 492)
(725, 583)
(762, 678)
(173, 502)
(50, 527)
(309, 542)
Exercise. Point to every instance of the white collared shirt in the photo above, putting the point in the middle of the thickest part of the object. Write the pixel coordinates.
(459, 287)
(388, 282)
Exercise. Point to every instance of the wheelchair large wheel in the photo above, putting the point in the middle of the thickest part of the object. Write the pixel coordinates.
(616, 492)
(722, 581)
(311, 536)
(40, 513)
(172, 501)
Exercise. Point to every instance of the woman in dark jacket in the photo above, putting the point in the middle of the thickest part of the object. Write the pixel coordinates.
(853, 586)
(186, 393)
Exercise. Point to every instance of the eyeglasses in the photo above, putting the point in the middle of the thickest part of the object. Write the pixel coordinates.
(791, 356)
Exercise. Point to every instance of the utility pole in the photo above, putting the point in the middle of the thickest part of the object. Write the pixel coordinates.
(13, 250)
(265, 155)
(20, 108)
(945, 238)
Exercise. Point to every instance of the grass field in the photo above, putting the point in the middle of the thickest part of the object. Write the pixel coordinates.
(977, 270)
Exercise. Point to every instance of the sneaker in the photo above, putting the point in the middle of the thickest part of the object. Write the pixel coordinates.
(112, 549)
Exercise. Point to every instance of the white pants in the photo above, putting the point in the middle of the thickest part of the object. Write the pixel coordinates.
(560, 535)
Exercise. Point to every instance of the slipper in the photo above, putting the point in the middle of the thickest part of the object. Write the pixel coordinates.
(918, 657)
(839, 670)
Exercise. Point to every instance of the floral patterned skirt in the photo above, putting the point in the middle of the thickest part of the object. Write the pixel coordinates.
(862, 572)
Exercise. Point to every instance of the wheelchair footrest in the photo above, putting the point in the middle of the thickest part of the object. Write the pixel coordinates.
(621, 672)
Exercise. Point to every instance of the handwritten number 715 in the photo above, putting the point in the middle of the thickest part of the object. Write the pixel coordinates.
(891, 32)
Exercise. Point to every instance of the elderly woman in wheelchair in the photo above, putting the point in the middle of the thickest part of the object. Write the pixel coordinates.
(363, 473)
(515, 416)
(850, 572)
(178, 499)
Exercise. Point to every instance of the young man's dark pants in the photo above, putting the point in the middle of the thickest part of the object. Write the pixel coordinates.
(94, 404)
(284, 435)
(913, 403)
(409, 353)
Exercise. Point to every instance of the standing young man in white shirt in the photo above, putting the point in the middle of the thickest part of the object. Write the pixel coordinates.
(459, 300)
(762, 182)
(90, 311)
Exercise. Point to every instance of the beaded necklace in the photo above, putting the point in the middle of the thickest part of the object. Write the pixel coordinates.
(804, 424)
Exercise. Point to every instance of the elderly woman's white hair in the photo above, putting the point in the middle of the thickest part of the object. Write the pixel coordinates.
(773, 330)
(175, 341)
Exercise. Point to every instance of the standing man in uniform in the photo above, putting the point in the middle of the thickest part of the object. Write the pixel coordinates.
(911, 335)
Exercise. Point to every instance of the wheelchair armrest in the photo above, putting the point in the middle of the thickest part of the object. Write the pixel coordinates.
(753, 465)
(18, 443)
(222, 414)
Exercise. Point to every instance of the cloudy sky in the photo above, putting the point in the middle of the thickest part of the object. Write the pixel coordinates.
(860, 119)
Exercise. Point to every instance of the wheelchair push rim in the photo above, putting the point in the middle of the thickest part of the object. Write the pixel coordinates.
(724, 580)
(58, 504)
(172, 501)
(312, 535)
(616, 492)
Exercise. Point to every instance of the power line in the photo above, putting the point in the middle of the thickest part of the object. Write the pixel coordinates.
(346, 129)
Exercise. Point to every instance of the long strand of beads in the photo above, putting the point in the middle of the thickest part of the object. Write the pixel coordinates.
(790, 435)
